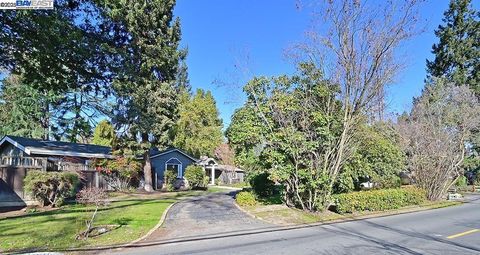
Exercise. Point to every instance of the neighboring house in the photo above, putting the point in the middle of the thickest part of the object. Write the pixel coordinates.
(178, 160)
(18, 155)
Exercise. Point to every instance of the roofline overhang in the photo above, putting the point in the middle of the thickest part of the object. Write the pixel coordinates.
(31, 150)
(171, 150)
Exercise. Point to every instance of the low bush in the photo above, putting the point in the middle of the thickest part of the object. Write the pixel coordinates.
(195, 176)
(262, 186)
(462, 182)
(50, 188)
(378, 200)
(170, 176)
(245, 198)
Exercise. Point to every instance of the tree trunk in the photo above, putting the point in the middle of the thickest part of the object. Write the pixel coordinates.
(147, 171)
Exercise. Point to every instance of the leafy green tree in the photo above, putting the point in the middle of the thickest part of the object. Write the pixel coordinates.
(21, 109)
(199, 128)
(302, 119)
(377, 158)
(245, 134)
(457, 54)
(104, 134)
(146, 86)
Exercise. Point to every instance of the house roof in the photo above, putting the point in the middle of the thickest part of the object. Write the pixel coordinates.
(206, 161)
(155, 153)
(54, 148)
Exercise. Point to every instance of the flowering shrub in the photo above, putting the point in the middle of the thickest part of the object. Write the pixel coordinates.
(121, 173)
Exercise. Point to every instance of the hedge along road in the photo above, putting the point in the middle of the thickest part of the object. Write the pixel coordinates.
(451, 230)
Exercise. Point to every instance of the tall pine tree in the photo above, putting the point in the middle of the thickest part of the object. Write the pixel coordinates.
(457, 54)
(147, 88)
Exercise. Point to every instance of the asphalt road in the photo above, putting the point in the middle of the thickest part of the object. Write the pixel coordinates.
(453, 230)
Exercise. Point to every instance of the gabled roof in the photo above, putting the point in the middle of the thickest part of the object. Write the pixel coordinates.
(156, 153)
(54, 148)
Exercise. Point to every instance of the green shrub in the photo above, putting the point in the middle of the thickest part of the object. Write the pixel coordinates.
(378, 200)
(170, 187)
(195, 176)
(262, 186)
(462, 182)
(245, 198)
(50, 188)
(170, 176)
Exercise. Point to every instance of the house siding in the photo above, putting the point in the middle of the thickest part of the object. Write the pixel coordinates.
(158, 163)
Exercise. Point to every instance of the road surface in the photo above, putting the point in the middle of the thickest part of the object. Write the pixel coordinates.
(452, 230)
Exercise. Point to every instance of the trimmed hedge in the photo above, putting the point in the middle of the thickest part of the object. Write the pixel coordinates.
(378, 200)
(246, 198)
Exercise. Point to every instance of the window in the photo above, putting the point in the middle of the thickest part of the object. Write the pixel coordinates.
(175, 165)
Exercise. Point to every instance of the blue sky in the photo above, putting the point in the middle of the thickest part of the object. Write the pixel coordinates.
(220, 34)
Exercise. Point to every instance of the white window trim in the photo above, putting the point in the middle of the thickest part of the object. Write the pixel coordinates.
(180, 167)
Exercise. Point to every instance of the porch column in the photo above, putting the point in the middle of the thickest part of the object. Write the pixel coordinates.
(212, 173)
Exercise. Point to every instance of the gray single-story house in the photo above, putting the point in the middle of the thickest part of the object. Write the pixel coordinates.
(19, 155)
(178, 160)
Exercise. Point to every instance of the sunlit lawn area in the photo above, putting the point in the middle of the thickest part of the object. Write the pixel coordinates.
(57, 229)
(136, 214)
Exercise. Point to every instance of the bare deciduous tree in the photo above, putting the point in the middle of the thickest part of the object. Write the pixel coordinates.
(357, 47)
(94, 197)
(436, 134)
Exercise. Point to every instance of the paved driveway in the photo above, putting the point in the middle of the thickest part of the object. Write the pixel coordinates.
(201, 216)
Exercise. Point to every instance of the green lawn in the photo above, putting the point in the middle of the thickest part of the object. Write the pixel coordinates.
(136, 213)
(56, 230)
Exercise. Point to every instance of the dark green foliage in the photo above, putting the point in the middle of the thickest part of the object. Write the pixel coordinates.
(50, 188)
(295, 123)
(378, 200)
(245, 137)
(262, 186)
(71, 57)
(378, 158)
(146, 86)
(245, 198)
(22, 109)
(457, 54)
(195, 176)
(198, 130)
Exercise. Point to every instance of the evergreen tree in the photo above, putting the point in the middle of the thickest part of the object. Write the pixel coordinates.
(21, 109)
(63, 52)
(146, 87)
(104, 134)
(199, 128)
(457, 54)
